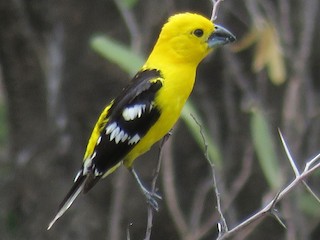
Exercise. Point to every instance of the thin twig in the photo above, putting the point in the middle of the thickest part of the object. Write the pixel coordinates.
(215, 8)
(222, 225)
(292, 163)
(153, 188)
(295, 168)
(131, 24)
(312, 161)
(239, 182)
(149, 223)
(274, 212)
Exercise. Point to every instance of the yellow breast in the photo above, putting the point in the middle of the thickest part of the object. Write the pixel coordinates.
(177, 86)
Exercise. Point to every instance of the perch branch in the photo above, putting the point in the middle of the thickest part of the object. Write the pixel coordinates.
(153, 187)
(311, 166)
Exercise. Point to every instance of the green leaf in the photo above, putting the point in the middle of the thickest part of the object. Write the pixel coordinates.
(130, 3)
(117, 53)
(214, 154)
(265, 148)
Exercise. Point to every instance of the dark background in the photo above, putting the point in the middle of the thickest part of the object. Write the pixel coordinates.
(53, 87)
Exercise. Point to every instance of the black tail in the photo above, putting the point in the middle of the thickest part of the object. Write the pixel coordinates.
(70, 197)
(91, 180)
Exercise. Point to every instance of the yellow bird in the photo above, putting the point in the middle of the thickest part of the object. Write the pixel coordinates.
(150, 105)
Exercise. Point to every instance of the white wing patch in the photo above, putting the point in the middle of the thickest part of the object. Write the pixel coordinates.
(110, 128)
(134, 139)
(99, 140)
(133, 112)
(114, 133)
(87, 166)
(119, 135)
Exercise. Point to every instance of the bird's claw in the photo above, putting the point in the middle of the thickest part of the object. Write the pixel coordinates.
(152, 199)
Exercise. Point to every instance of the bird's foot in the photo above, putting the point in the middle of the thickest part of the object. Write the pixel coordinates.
(152, 198)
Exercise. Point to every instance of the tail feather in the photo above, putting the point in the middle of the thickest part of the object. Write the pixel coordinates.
(90, 182)
(70, 197)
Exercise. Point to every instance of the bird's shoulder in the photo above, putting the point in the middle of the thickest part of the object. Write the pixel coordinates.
(141, 90)
(135, 109)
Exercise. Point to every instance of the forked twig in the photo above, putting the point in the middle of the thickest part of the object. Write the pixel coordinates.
(295, 168)
(311, 166)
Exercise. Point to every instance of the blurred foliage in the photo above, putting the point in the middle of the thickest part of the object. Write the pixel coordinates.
(267, 52)
(309, 205)
(130, 3)
(3, 125)
(264, 144)
(12, 221)
(117, 53)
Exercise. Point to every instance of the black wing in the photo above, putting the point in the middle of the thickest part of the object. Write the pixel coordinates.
(130, 117)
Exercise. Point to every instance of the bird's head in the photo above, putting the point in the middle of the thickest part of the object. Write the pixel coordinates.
(188, 37)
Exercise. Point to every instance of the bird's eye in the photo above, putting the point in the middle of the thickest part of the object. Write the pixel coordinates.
(198, 32)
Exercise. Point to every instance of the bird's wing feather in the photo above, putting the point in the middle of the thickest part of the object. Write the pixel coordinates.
(129, 118)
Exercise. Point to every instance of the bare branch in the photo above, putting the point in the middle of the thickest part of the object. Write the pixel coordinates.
(222, 225)
(269, 208)
(295, 169)
(153, 187)
(132, 25)
(293, 165)
(311, 192)
(274, 212)
(311, 162)
(215, 8)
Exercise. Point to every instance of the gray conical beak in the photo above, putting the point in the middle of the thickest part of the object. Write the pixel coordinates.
(220, 36)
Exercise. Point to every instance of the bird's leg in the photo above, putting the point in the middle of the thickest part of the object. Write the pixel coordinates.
(165, 139)
(150, 196)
